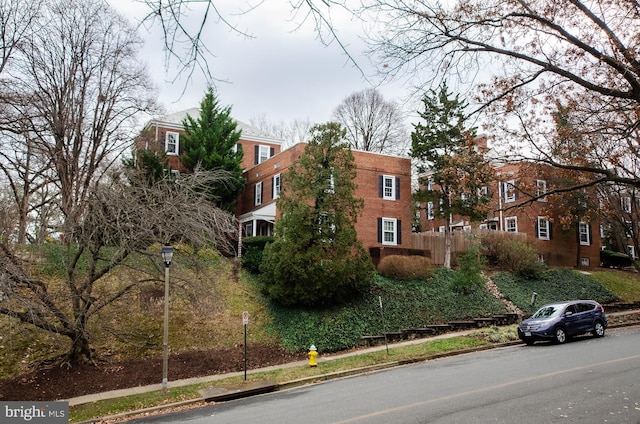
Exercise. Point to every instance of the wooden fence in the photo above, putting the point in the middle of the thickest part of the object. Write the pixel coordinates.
(460, 241)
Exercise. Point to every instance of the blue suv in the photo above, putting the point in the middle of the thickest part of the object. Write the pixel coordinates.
(559, 321)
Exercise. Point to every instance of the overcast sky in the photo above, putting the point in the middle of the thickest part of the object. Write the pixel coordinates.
(282, 73)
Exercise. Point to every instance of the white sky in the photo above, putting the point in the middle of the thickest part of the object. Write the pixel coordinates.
(282, 74)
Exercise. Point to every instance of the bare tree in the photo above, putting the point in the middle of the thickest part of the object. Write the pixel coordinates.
(27, 174)
(120, 219)
(78, 87)
(537, 52)
(372, 123)
(292, 133)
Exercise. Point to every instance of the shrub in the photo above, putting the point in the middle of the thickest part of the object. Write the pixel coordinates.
(519, 257)
(468, 277)
(252, 248)
(612, 259)
(406, 267)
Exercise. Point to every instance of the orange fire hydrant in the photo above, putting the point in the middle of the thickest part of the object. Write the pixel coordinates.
(313, 354)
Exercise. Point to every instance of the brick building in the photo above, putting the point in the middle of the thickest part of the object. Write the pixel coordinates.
(383, 181)
(514, 210)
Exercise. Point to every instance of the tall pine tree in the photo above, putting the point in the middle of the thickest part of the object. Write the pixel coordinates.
(457, 174)
(209, 142)
(316, 259)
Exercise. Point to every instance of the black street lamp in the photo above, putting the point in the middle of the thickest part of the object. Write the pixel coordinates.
(167, 256)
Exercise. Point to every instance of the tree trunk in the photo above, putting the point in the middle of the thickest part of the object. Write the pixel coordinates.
(80, 350)
(447, 243)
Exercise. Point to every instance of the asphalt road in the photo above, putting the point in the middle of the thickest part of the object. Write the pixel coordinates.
(586, 380)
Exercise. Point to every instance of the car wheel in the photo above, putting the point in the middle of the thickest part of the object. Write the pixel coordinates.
(598, 329)
(560, 335)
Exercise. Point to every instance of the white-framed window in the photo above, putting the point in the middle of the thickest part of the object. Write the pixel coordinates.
(430, 210)
(632, 252)
(388, 187)
(483, 191)
(277, 185)
(389, 230)
(331, 188)
(430, 184)
(326, 227)
(626, 204)
(257, 194)
(543, 228)
(511, 224)
(441, 229)
(509, 188)
(541, 190)
(172, 143)
(262, 153)
(584, 233)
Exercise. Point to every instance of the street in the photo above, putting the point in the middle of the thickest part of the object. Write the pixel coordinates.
(585, 380)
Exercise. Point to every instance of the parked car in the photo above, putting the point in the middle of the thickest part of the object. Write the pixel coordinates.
(559, 321)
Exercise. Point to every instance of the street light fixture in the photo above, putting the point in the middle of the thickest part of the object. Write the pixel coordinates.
(167, 256)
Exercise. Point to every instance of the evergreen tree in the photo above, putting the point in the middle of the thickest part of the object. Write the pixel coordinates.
(210, 142)
(316, 259)
(457, 173)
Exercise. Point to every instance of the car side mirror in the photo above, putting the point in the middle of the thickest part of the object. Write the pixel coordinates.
(568, 314)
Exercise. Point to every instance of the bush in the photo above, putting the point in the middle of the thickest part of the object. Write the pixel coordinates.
(468, 277)
(610, 259)
(406, 267)
(517, 256)
(252, 248)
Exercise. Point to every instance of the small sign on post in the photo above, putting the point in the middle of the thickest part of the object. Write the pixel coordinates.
(245, 321)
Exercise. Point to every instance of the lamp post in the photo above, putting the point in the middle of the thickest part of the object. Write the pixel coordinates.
(167, 256)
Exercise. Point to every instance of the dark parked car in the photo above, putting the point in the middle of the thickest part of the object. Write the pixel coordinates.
(559, 321)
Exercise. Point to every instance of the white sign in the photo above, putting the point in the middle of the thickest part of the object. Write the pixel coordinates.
(245, 317)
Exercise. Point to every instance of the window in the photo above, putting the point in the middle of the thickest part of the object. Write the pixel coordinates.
(511, 224)
(483, 191)
(543, 228)
(430, 213)
(332, 185)
(541, 189)
(632, 252)
(584, 233)
(389, 231)
(171, 143)
(326, 227)
(389, 187)
(626, 204)
(257, 194)
(262, 153)
(277, 185)
(509, 191)
(430, 184)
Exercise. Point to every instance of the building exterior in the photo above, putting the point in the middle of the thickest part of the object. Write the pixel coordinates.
(383, 181)
(518, 205)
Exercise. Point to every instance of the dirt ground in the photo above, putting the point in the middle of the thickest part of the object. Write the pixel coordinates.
(64, 381)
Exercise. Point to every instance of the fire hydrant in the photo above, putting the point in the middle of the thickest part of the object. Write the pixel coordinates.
(313, 354)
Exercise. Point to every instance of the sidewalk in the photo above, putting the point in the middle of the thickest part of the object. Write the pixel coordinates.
(270, 387)
(196, 380)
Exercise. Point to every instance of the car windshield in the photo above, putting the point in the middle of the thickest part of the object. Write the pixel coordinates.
(548, 311)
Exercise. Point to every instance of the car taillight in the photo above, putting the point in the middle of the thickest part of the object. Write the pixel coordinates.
(602, 309)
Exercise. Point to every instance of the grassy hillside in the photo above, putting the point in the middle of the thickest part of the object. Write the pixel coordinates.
(208, 296)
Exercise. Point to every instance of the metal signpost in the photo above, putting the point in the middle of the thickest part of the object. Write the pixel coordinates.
(245, 321)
